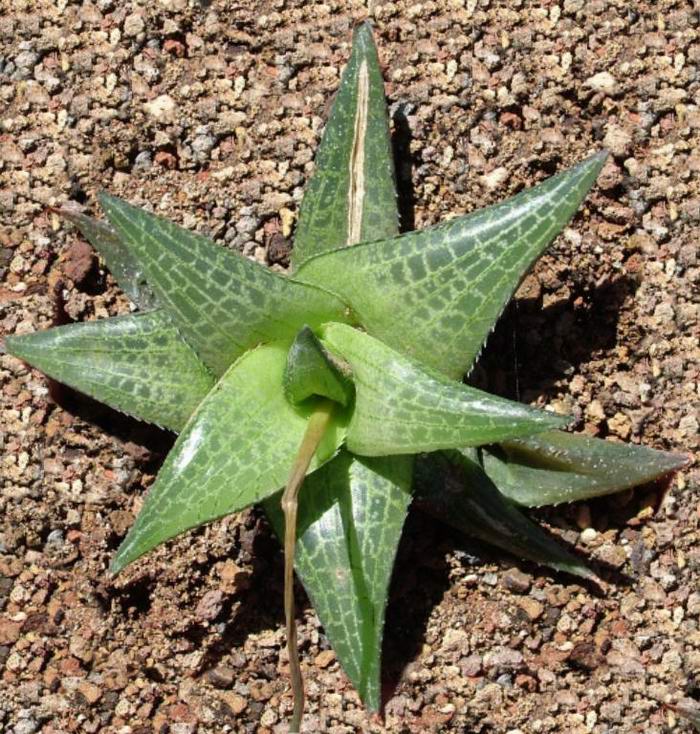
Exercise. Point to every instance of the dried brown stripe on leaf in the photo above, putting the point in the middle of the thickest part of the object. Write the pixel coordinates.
(356, 191)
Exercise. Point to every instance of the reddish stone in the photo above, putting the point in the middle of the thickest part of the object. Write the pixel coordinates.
(181, 712)
(173, 47)
(9, 632)
(165, 159)
(79, 261)
(70, 666)
(510, 119)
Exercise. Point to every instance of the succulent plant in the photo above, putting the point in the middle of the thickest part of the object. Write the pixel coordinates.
(341, 382)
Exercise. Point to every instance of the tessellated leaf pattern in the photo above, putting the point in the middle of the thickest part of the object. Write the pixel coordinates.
(455, 488)
(555, 467)
(137, 363)
(349, 529)
(401, 408)
(436, 294)
(124, 268)
(235, 450)
(356, 140)
(222, 302)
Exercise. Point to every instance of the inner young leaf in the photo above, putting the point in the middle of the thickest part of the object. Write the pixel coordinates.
(310, 371)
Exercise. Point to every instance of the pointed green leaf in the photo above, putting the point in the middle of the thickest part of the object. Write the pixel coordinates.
(222, 303)
(455, 489)
(401, 408)
(351, 514)
(120, 263)
(436, 294)
(310, 372)
(137, 363)
(236, 449)
(352, 195)
(556, 467)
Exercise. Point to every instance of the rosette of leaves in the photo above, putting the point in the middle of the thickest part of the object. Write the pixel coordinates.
(346, 375)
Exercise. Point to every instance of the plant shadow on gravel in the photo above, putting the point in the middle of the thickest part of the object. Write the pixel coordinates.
(422, 578)
(513, 363)
(146, 443)
(401, 147)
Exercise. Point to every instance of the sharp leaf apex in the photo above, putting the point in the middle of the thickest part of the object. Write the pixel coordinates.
(104, 197)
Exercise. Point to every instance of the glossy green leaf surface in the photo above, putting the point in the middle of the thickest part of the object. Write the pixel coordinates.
(349, 529)
(555, 467)
(455, 488)
(310, 372)
(120, 262)
(352, 196)
(401, 408)
(222, 303)
(136, 363)
(436, 294)
(236, 449)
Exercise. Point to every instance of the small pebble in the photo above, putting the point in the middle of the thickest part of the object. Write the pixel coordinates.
(531, 607)
(237, 704)
(603, 82)
(161, 106)
(90, 692)
(210, 605)
(325, 658)
(516, 581)
(133, 25)
(221, 677)
(588, 535)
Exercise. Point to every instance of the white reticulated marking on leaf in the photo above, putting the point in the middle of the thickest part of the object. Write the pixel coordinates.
(356, 190)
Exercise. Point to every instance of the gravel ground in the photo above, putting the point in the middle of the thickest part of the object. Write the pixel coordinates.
(211, 112)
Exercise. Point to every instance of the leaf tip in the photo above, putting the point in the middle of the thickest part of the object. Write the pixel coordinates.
(115, 568)
(677, 461)
(110, 203)
(668, 464)
(69, 211)
(121, 560)
(665, 464)
(584, 572)
(16, 345)
(363, 30)
(593, 165)
(363, 39)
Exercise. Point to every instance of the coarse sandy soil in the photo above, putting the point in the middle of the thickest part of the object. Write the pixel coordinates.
(212, 112)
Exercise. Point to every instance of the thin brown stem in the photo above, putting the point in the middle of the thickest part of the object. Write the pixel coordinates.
(316, 428)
